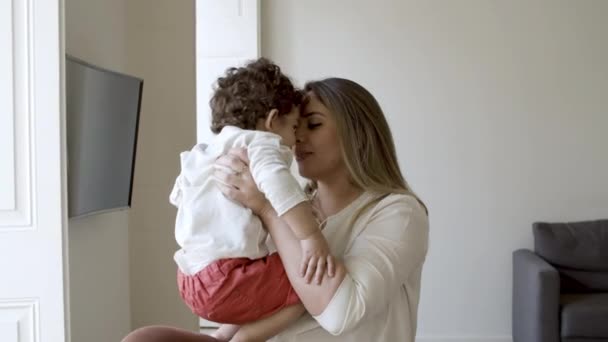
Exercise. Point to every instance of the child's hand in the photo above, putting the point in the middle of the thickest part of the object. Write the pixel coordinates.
(316, 258)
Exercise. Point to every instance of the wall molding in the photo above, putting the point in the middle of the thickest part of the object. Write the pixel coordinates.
(19, 320)
(16, 214)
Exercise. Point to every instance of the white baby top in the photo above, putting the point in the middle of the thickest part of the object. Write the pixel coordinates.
(210, 226)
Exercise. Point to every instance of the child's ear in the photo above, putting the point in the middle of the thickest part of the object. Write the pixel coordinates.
(272, 115)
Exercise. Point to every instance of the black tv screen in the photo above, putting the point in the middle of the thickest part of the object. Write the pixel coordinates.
(102, 116)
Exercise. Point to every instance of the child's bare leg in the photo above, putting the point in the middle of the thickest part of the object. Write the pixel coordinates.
(225, 332)
(270, 326)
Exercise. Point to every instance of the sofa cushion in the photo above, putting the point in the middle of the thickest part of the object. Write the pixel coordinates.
(576, 281)
(573, 245)
(584, 315)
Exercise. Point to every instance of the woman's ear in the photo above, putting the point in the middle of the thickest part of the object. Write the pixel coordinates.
(270, 118)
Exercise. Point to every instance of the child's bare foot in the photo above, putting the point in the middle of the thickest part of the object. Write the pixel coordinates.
(225, 332)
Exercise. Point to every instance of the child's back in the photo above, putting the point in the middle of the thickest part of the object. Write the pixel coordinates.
(254, 107)
(210, 226)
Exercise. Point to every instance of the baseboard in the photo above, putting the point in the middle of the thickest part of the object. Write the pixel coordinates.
(464, 339)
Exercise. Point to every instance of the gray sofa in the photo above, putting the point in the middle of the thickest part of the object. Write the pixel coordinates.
(560, 291)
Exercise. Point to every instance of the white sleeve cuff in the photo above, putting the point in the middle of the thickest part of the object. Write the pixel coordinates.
(334, 319)
(284, 206)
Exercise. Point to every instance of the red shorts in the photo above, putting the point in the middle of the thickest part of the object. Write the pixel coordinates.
(239, 290)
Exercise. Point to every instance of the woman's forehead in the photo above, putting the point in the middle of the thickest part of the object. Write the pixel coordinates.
(313, 106)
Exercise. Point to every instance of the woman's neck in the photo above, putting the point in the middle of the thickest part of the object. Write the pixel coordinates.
(336, 194)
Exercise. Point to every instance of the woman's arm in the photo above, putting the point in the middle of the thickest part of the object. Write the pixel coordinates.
(389, 250)
(315, 297)
(391, 247)
(241, 187)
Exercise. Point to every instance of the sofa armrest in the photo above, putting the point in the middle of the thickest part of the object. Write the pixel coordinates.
(535, 299)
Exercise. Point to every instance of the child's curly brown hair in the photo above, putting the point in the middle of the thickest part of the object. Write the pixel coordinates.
(245, 94)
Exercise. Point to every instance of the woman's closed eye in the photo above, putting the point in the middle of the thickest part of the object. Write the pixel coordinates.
(313, 125)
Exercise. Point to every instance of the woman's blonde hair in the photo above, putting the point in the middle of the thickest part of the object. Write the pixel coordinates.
(366, 140)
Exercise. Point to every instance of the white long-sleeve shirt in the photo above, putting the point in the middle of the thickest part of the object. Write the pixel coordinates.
(383, 251)
(208, 225)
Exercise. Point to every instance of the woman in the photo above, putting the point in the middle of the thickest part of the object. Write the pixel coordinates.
(375, 225)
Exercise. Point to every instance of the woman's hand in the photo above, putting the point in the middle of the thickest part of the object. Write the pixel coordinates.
(238, 184)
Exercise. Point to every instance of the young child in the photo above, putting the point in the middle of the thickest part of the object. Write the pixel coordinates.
(220, 276)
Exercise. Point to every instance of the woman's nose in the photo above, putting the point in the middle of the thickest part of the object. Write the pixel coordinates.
(300, 134)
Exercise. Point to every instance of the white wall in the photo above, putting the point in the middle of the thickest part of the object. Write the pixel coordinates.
(161, 51)
(99, 278)
(122, 274)
(499, 114)
(98, 245)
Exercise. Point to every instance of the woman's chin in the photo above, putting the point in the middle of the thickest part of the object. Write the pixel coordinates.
(303, 169)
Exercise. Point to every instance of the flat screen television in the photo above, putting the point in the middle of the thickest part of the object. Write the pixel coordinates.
(102, 117)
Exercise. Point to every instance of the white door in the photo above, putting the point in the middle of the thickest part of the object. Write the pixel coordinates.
(227, 35)
(32, 211)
